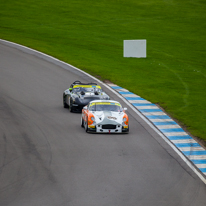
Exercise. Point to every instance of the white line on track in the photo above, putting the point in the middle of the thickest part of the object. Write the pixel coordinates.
(189, 148)
(167, 126)
(147, 107)
(197, 157)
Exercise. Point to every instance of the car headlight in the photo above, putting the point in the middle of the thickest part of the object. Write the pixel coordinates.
(124, 121)
(93, 120)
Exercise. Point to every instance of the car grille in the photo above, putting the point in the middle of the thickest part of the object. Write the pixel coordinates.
(108, 126)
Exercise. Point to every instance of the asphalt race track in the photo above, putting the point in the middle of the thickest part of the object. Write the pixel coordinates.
(47, 159)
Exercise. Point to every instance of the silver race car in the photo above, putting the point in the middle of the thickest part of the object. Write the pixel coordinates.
(105, 116)
(80, 94)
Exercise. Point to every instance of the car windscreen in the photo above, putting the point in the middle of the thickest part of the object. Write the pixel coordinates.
(114, 107)
(86, 89)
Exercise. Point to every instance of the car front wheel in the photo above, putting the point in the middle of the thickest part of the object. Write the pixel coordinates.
(82, 122)
(64, 102)
(86, 126)
(70, 107)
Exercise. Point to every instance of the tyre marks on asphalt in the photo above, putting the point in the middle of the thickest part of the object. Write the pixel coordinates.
(167, 126)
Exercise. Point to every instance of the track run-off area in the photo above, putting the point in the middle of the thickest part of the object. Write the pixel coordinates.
(47, 159)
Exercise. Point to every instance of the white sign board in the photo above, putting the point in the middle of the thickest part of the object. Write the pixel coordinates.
(135, 48)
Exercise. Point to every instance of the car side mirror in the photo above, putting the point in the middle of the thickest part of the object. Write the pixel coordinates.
(70, 89)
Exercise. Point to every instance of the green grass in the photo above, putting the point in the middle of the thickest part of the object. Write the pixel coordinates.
(89, 35)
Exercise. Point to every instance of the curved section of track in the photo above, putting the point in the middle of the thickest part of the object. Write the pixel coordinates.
(46, 158)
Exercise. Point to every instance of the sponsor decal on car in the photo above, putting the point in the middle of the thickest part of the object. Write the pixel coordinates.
(91, 126)
(87, 86)
(104, 103)
(113, 118)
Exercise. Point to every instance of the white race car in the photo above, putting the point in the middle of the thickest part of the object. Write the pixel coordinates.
(105, 116)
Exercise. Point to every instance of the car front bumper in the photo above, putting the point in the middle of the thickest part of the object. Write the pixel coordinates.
(99, 129)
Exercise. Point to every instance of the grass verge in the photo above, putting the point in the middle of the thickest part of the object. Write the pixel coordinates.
(89, 35)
